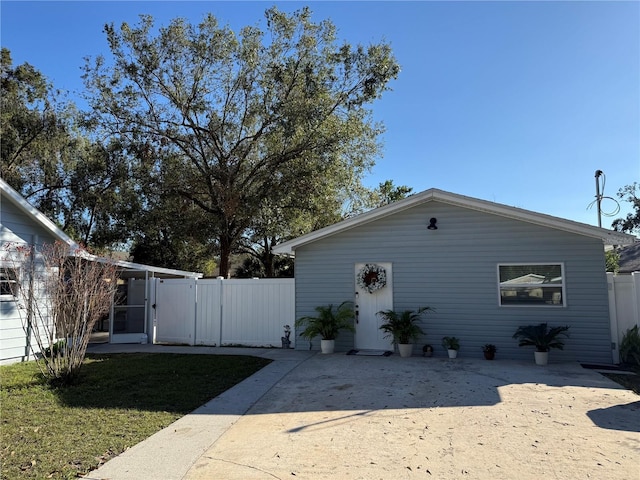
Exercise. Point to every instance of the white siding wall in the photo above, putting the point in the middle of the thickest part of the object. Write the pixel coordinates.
(454, 270)
(15, 227)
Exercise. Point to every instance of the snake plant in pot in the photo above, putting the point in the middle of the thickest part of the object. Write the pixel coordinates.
(327, 324)
(403, 327)
(543, 337)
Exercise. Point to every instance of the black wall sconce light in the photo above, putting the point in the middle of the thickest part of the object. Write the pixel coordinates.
(432, 224)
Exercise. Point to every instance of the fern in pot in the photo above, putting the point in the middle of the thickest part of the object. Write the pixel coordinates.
(543, 338)
(403, 327)
(327, 324)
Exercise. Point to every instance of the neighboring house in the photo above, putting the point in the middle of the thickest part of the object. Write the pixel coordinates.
(131, 320)
(629, 258)
(484, 267)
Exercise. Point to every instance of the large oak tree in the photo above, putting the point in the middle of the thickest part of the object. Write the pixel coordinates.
(241, 124)
(47, 156)
(630, 223)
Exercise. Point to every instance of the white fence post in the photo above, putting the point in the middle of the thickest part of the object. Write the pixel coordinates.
(635, 298)
(613, 318)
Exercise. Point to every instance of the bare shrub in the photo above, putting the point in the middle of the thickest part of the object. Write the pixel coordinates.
(61, 293)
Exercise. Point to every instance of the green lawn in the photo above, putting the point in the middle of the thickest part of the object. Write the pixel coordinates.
(120, 400)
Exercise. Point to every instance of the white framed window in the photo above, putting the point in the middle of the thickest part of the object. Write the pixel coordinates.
(8, 283)
(531, 284)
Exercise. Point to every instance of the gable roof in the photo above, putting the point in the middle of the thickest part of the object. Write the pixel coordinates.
(630, 258)
(41, 219)
(36, 215)
(609, 237)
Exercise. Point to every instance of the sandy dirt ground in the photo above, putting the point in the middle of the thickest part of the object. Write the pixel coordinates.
(352, 417)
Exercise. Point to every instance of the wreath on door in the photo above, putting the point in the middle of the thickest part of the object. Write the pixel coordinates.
(372, 277)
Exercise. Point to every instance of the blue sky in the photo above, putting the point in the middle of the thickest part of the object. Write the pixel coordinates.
(513, 102)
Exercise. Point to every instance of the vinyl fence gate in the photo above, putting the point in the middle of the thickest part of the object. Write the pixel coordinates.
(218, 312)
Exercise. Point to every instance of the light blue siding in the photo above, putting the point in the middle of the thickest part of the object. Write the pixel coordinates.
(454, 270)
(15, 227)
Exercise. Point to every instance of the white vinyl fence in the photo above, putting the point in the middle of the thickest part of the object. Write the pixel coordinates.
(220, 312)
(624, 306)
(254, 312)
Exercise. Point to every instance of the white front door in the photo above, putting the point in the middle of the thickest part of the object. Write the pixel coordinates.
(368, 334)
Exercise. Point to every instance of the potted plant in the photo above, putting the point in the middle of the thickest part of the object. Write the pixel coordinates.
(543, 337)
(403, 328)
(489, 351)
(327, 324)
(630, 347)
(452, 344)
(286, 340)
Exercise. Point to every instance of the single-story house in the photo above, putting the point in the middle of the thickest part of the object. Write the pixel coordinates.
(485, 269)
(131, 318)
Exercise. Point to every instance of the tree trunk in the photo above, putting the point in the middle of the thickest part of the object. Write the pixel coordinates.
(268, 263)
(225, 256)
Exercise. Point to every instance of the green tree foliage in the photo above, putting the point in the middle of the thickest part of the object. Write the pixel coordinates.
(253, 266)
(283, 220)
(631, 223)
(294, 216)
(612, 260)
(237, 123)
(35, 131)
(81, 184)
(171, 232)
(385, 193)
(101, 200)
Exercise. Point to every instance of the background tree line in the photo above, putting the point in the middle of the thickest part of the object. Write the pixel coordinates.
(199, 143)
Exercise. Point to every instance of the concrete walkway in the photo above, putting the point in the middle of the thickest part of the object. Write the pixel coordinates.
(171, 452)
(351, 417)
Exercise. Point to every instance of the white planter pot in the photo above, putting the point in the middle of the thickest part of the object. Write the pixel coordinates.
(327, 346)
(542, 358)
(405, 349)
(452, 353)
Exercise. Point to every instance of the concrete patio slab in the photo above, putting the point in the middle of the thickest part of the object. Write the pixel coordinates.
(337, 416)
(392, 418)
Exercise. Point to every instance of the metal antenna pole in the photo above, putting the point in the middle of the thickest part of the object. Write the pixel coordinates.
(598, 197)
